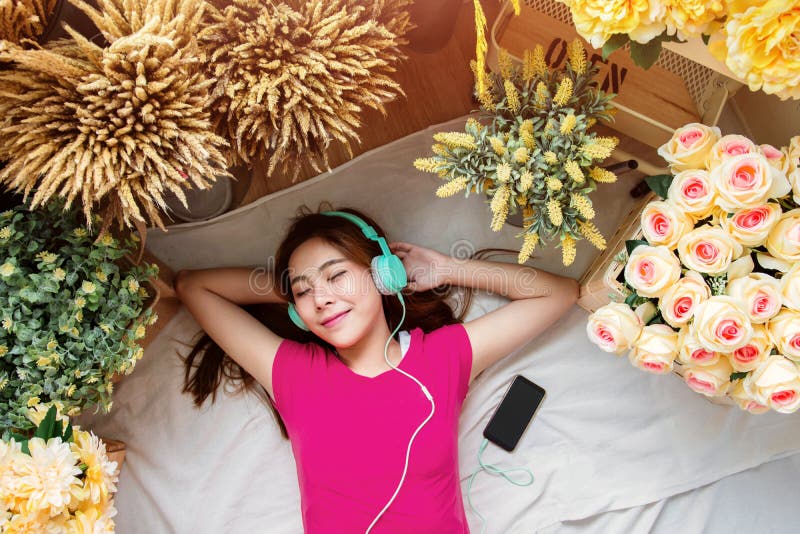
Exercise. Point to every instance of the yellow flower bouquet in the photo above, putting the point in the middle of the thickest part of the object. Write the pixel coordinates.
(536, 153)
(714, 285)
(756, 40)
(57, 480)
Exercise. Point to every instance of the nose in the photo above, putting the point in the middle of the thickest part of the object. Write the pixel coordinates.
(322, 297)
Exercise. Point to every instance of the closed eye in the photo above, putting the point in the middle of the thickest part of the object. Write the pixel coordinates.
(329, 279)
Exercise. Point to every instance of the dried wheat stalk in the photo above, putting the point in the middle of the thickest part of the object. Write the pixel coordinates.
(293, 75)
(24, 19)
(116, 126)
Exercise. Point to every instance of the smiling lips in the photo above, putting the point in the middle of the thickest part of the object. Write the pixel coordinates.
(335, 319)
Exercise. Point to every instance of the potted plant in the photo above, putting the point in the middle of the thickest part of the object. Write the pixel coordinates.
(73, 308)
(533, 150)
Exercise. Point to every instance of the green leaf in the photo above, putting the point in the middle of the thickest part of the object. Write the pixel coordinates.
(659, 184)
(657, 319)
(631, 244)
(67, 433)
(616, 41)
(644, 55)
(47, 426)
(706, 37)
(738, 376)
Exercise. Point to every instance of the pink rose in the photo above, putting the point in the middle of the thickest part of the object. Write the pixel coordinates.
(721, 324)
(655, 350)
(692, 353)
(744, 400)
(747, 180)
(756, 350)
(751, 226)
(708, 249)
(775, 383)
(784, 330)
(729, 146)
(691, 191)
(710, 380)
(652, 270)
(677, 305)
(664, 224)
(689, 146)
(614, 327)
(761, 294)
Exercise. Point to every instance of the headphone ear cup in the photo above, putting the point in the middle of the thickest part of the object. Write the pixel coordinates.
(389, 274)
(295, 317)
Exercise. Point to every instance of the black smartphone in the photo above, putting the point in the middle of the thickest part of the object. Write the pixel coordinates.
(512, 416)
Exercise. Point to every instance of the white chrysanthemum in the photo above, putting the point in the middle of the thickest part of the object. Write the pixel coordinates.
(47, 478)
(100, 474)
(93, 520)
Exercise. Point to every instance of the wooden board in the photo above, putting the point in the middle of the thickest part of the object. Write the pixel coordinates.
(655, 93)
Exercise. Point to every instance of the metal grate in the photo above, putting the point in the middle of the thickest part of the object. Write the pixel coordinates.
(696, 77)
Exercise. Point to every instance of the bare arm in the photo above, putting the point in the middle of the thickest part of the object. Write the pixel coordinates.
(538, 299)
(214, 297)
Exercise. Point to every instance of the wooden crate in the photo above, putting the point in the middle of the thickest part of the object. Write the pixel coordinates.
(115, 450)
(600, 281)
(650, 104)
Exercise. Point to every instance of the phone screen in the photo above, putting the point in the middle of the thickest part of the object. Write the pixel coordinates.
(514, 413)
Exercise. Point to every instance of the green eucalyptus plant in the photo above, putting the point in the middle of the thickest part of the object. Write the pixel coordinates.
(533, 149)
(72, 307)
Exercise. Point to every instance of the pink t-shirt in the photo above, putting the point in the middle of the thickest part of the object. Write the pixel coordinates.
(349, 435)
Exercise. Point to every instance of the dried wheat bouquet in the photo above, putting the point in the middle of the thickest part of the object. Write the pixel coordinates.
(116, 126)
(24, 19)
(293, 75)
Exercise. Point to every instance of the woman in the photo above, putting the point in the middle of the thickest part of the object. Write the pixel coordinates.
(350, 415)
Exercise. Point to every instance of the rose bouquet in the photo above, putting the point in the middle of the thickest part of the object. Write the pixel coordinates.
(756, 40)
(714, 285)
(536, 153)
(58, 480)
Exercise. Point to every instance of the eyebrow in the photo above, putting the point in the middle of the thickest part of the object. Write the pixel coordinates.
(321, 267)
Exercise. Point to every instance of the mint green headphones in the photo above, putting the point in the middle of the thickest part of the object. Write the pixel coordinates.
(388, 271)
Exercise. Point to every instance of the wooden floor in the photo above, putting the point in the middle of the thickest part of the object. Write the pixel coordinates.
(438, 87)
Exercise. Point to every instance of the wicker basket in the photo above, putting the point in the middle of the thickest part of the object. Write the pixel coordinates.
(115, 450)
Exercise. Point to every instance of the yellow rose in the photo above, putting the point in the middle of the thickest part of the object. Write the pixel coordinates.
(760, 293)
(777, 158)
(784, 330)
(651, 270)
(598, 20)
(614, 327)
(690, 18)
(744, 400)
(691, 352)
(679, 302)
(783, 240)
(729, 146)
(751, 226)
(775, 383)
(708, 249)
(691, 191)
(790, 288)
(655, 350)
(760, 46)
(710, 380)
(756, 350)
(689, 146)
(664, 224)
(747, 180)
(721, 324)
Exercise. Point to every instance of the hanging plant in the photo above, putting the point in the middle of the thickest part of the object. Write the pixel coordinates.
(114, 126)
(290, 77)
(536, 151)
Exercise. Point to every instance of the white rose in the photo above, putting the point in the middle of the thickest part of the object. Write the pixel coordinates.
(783, 240)
(655, 350)
(679, 302)
(651, 270)
(663, 224)
(692, 192)
(744, 400)
(710, 380)
(790, 288)
(691, 352)
(760, 293)
(721, 324)
(751, 226)
(747, 180)
(689, 146)
(614, 327)
(708, 249)
(784, 330)
(756, 350)
(775, 383)
(729, 146)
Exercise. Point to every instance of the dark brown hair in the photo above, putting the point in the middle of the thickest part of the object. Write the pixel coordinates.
(425, 309)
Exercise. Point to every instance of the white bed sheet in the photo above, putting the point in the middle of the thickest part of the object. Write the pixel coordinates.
(609, 437)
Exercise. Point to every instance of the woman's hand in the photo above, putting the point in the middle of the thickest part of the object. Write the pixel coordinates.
(425, 268)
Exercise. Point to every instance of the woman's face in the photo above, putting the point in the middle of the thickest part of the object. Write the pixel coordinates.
(325, 283)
